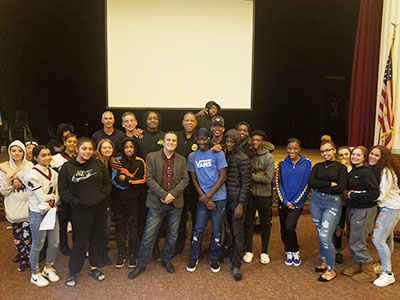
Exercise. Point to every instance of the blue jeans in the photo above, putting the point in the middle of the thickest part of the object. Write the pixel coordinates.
(153, 223)
(217, 217)
(383, 235)
(325, 212)
(38, 238)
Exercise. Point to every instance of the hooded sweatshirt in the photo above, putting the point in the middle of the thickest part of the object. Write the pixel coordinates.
(206, 120)
(133, 169)
(261, 184)
(84, 184)
(291, 180)
(364, 184)
(16, 201)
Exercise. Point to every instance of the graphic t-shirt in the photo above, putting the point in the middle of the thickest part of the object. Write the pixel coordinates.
(206, 165)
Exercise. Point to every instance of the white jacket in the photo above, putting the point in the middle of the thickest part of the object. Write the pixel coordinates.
(389, 190)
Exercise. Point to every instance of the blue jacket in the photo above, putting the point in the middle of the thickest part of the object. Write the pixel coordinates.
(291, 180)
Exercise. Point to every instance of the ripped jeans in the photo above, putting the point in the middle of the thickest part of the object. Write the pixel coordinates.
(383, 235)
(325, 212)
(217, 217)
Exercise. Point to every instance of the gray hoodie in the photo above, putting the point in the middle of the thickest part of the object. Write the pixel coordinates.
(261, 184)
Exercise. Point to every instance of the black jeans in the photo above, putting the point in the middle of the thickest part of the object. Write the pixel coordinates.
(190, 197)
(288, 219)
(338, 234)
(126, 216)
(89, 226)
(264, 207)
(64, 216)
(236, 227)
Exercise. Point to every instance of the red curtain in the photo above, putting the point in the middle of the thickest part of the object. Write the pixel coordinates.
(365, 74)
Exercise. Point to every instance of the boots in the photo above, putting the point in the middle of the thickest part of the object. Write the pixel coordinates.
(353, 269)
(367, 273)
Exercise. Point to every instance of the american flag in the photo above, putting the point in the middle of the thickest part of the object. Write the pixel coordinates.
(385, 111)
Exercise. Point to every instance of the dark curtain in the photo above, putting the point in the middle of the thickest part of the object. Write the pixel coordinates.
(365, 74)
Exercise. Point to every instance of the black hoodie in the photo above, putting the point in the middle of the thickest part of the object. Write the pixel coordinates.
(84, 185)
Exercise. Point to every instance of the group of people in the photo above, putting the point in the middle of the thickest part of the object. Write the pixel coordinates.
(147, 181)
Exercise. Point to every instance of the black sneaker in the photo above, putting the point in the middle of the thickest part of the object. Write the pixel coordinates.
(97, 275)
(191, 267)
(120, 261)
(215, 266)
(24, 267)
(16, 258)
(71, 280)
(236, 274)
(132, 261)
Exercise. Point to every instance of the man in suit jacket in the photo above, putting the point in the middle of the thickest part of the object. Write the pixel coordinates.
(167, 178)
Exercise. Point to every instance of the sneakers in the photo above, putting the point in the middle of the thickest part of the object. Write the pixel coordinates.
(384, 280)
(132, 261)
(296, 259)
(71, 280)
(264, 258)
(289, 259)
(50, 274)
(97, 275)
(191, 267)
(215, 266)
(248, 257)
(120, 261)
(24, 267)
(236, 274)
(39, 280)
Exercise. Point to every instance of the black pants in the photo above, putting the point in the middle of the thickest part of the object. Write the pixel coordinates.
(126, 216)
(264, 207)
(89, 229)
(236, 228)
(288, 219)
(143, 210)
(64, 216)
(338, 234)
(190, 197)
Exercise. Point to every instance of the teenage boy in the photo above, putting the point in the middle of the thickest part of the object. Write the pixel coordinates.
(208, 173)
(238, 187)
(167, 178)
(262, 171)
(206, 115)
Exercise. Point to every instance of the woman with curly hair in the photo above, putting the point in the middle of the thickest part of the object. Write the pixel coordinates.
(387, 170)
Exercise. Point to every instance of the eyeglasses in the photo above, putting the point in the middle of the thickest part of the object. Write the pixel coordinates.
(325, 151)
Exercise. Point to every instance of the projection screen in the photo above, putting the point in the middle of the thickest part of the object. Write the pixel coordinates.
(179, 54)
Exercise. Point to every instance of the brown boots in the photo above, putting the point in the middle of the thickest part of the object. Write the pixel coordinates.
(353, 269)
(367, 273)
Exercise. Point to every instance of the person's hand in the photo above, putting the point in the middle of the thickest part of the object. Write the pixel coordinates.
(239, 211)
(115, 163)
(333, 184)
(121, 177)
(203, 198)
(216, 148)
(261, 173)
(289, 205)
(211, 205)
(346, 194)
(202, 112)
(139, 133)
(16, 183)
(168, 199)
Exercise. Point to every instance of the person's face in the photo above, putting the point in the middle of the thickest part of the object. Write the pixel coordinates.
(344, 156)
(129, 123)
(189, 122)
(213, 110)
(328, 152)
(170, 142)
(70, 144)
(29, 150)
(85, 151)
(230, 144)
(17, 154)
(256, 142)
(293, 150)
(374, 156)
(202, 142)
(217, 130)
(152, 121)
(44, 158)
(129, 149)
(64, 135)
(243, 131)
(357, 157)
(106, 149)
(108, 120)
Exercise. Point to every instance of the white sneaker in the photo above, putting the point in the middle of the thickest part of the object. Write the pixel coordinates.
(248, 257)
(289, 259)
(296, 259)
(384, 280)
(50, 274)
(39, 280)
(264, 258)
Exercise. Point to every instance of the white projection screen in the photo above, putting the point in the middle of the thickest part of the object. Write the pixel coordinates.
(179, 54)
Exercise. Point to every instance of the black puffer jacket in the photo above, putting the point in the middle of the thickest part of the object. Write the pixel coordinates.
(238, 179)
